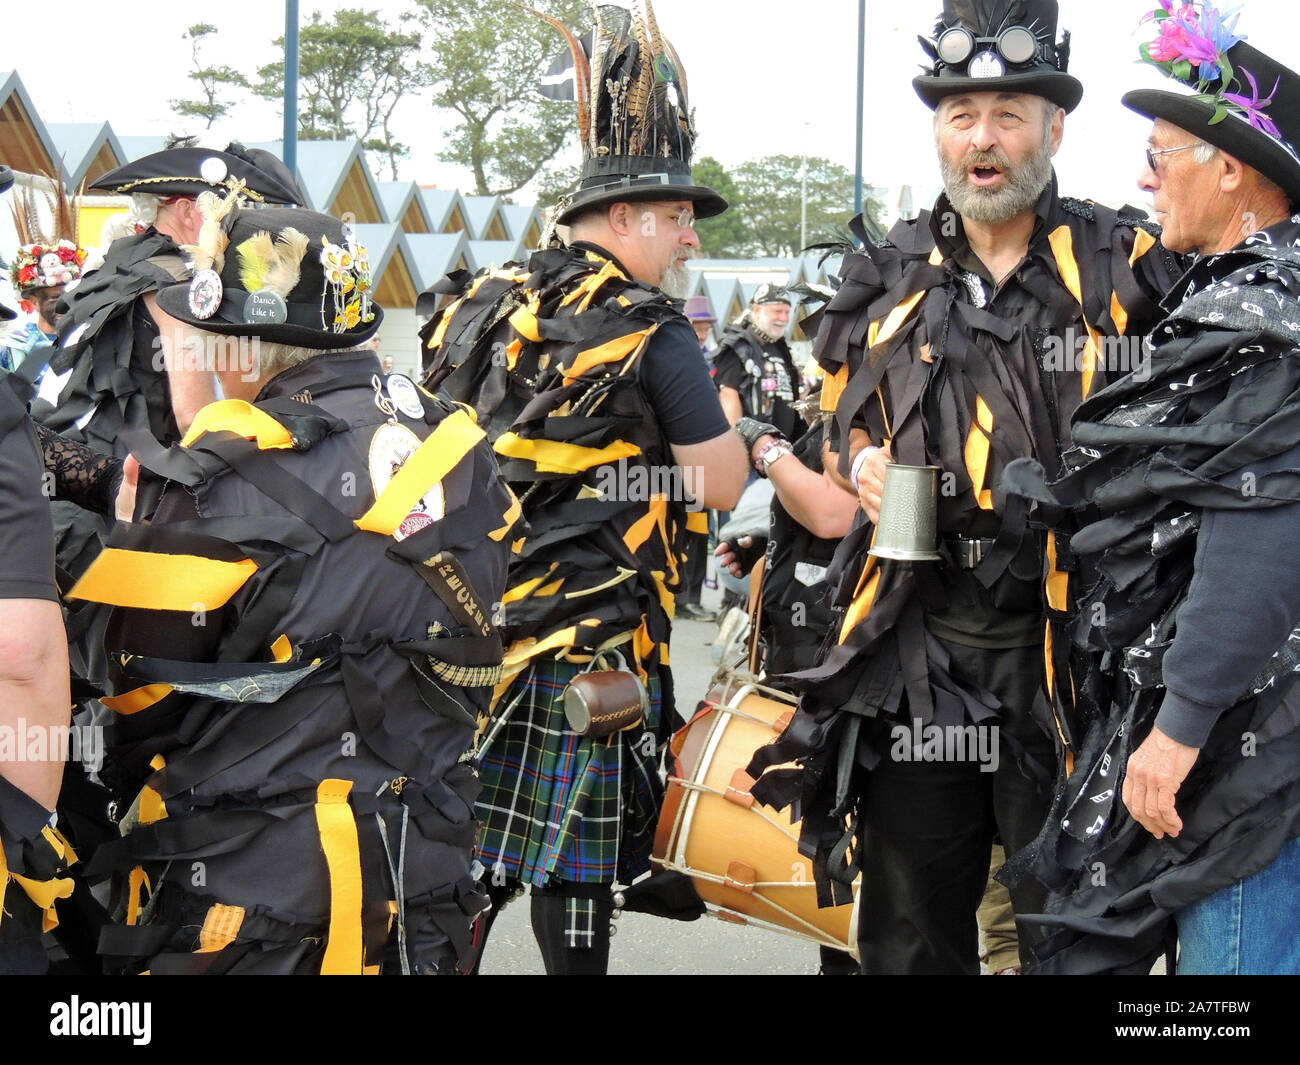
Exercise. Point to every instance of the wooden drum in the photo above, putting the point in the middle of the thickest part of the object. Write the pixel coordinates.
(742, 856)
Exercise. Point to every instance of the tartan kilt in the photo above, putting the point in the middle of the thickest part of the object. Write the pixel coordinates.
(556, 806)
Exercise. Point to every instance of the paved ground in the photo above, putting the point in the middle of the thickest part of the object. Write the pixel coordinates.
(653, 945)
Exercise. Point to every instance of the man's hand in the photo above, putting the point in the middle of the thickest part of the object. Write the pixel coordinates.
(728, 558)
(871, 481)
(1156, 771)
(124, 507)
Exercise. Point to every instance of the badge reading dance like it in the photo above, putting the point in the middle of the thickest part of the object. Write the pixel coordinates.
(265, 307)
(205, 294)
(390, 449)
(402, 391)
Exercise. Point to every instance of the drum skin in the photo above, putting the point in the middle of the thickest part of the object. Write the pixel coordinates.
(742, 856)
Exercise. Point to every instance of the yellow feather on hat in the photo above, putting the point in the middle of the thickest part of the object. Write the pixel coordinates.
(264, 264)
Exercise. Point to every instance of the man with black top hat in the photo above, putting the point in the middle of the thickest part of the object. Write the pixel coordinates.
(590, 382)
(753, 367)
(1193, 627)
(33, 690)
(963, 341)
(303, 641)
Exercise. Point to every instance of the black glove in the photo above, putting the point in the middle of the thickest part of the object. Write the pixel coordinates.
(751, 430)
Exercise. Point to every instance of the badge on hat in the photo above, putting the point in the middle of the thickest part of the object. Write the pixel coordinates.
(390, 449)
(405, 396)
(265, 307)
(986, 65)
(205, 294)
(213, 170)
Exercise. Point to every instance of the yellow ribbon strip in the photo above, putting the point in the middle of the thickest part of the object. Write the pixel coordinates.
(554, 456)
(338, 839)
(440, 453)
(242, 419)
(146, 580)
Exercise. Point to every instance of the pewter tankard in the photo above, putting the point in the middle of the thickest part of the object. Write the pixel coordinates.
(909, 514)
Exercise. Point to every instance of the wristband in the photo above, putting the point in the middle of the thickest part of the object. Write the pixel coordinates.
(858, 460)
(770, 454)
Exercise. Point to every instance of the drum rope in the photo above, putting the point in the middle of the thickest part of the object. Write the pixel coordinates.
(690, 785)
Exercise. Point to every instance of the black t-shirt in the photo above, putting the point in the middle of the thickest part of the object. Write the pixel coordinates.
(26, 532)
(676, 380)
(770, 397)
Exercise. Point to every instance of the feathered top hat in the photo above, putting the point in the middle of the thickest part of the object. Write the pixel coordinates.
(998, 46)
(286, 275)
(48, 255)
(634, 118)
(189, 170)
(1197, 48)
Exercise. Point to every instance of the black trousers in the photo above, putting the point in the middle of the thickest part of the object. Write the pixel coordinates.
(926, 829)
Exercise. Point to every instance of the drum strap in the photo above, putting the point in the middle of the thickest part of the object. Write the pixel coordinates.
(756, 581)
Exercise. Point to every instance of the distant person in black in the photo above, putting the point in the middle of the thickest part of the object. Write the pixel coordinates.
(753, 368)
(33, 686)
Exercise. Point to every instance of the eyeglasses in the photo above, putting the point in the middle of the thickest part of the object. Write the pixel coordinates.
(1151, 155)
(683, 219)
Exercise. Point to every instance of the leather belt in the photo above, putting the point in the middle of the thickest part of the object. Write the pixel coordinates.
(967, 552)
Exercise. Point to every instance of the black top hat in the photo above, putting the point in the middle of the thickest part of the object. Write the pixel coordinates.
(634, 120)
(1244, 102)
(769, 293)
(285, 275)
(188, 171)
(999, 46)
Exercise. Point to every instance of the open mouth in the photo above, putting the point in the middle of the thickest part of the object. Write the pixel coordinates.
(984, 176)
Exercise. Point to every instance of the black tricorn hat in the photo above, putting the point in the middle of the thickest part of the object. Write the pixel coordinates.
(285, 275)
(998, 46)
(634, 119)
(1274, 156)
(187, 171)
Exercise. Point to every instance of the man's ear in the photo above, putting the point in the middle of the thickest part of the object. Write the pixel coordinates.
(621, 218)
(1231, 171)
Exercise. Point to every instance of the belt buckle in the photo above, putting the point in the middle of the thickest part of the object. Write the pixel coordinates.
(969, 552)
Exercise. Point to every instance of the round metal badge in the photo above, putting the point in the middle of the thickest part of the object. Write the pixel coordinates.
(205, 294)
(213, 170)
(265, 307)
(986, 65)
(405, 396)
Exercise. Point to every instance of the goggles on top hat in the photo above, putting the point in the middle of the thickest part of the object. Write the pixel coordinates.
(1016, 44)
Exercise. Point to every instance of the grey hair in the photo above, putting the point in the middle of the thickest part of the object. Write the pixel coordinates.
(273, 358)
(1204, 152)
(144, 207)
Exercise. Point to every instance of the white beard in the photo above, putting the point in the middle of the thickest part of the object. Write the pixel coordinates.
(676, 280)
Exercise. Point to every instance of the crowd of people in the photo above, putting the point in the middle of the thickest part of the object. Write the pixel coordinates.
(372, 657)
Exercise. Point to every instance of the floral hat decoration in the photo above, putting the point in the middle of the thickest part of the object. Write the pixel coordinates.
(48, 253)
(286, 275)
(1233, 96)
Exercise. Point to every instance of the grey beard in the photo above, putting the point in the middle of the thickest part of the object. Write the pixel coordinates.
(1024, 185)
(676, 280)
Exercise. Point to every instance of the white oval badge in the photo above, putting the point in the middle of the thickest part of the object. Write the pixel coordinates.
(213, 170)
(205, 294)
(405, 396)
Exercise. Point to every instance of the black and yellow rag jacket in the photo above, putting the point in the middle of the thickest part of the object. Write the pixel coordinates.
(301, 654)
(549, 355)
(952, 370)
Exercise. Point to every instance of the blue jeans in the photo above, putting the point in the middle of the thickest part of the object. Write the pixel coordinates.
(1251, 927)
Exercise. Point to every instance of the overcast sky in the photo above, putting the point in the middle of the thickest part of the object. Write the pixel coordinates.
(766, 77)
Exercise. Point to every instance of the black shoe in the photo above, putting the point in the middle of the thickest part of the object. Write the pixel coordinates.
(696, 612)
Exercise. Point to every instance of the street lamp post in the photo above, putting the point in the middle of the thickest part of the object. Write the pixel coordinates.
(291, 86)
(862, 88)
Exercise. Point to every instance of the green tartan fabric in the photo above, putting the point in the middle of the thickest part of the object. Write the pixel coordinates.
(557, 807)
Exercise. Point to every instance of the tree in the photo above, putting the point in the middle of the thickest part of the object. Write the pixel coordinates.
(489, 60)
(770, 197)
(725, 236)
(353, 71)
(211, 80)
